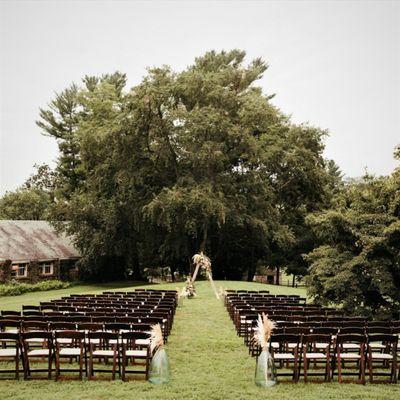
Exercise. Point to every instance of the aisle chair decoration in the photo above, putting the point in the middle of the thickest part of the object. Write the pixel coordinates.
(265, 375)
(159, 373)
(200, 260)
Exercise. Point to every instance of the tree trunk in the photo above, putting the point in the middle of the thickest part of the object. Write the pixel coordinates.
(293, 280)
(204, 240)
(277, 276)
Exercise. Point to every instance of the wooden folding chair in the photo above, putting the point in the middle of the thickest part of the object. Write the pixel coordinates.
(135, 346)
(69, 344)
(286, 352)
(384, 355)
(37, 346)
(10, 351)
(317, 348)
(103, 345)
(350, 348)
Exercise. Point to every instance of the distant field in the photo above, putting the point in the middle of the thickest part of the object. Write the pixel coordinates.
(208, 360)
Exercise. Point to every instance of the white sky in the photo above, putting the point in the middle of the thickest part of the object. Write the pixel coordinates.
(335, 64)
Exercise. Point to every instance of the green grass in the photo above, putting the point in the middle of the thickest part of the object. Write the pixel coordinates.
(208, 360)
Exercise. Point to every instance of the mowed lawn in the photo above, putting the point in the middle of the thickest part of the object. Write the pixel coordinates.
(207, 358)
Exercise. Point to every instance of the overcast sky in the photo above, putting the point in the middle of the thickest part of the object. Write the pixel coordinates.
(333, 64)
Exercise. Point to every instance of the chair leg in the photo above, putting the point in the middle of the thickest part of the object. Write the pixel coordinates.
(57, 372)
(90, 374)
(81, 366)
(328, 369)
(147, 368)
(26, 367)
(305, 367)
(50, 365)
(114, 367)
(370, 368)
(123, 366)
(17, 366)
(362, 370)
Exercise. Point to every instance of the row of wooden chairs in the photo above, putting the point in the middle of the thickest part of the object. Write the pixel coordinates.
(343, 355)
(302, 325)
(48, 348)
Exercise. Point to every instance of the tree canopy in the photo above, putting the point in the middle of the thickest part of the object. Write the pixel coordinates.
(184, 161)
(357, 262)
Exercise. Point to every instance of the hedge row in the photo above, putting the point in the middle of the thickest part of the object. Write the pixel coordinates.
(21, 288)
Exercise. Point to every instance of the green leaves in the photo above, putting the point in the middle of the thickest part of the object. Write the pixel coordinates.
(357, 264)
(184, 161)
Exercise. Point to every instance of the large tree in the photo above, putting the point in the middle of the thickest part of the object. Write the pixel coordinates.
(33, 200)
(357, 263)
(182, 162)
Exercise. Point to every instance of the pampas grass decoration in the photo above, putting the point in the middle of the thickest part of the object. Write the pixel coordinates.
(263, 330)
(156, 338)
(222, 292)
(201, 260)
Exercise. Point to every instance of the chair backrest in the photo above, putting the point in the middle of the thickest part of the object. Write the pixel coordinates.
(6, 337)
(29, 307)
(284, 338)
(325, 330)
(9, 323)
(62, 326)
(383, 338)
(378, 330)
(45, 336)
(106, 336)
(352, 329)
(387, 324)
(6, 313)
(67, 334)
(134, 335)
(31, 313)
(314, 338)
(34, 325)
(117, 326)
(90, 326)
(351, 338)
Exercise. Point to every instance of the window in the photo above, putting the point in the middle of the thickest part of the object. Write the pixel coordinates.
(19, 270)
(47, 269)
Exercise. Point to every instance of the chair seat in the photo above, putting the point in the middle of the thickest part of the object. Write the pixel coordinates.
(315, 355)
(377, 346)
(35, 340)
(142, 342)
(381, 356)
(350, 346)
(70, 351)
(136, 353)
(64, 340)
(352, 356)
(283, 356)
(12, 330)
(8, 352)
(104, 353)
(321, 345)
(94, 341)
(39, 352)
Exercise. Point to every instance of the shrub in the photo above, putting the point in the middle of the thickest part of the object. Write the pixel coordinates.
(15, 289)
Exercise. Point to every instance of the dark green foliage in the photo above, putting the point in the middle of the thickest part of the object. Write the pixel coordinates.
(33, 199)
(358, 262)
(182, 162)
(20, 288)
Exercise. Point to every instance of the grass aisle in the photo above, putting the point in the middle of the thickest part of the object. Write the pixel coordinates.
(208, 360)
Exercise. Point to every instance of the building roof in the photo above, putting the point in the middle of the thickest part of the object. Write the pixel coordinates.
(33, 240)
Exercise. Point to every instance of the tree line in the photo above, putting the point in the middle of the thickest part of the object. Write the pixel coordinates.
(201, 160)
